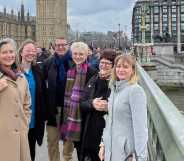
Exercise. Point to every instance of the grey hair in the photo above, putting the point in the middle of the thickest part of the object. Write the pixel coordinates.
(8, 41)
(80, 45)
(14, 45)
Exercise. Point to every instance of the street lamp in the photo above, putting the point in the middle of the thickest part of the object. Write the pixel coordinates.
(119, 41)
(144, 11)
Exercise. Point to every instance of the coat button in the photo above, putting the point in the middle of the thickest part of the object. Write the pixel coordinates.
(16, 130)
(16, 115)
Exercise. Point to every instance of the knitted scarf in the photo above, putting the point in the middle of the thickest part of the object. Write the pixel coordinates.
(71, 126)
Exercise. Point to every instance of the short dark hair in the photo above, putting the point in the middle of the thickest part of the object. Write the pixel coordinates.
(60, 38)
(108, 54)
(90, 47)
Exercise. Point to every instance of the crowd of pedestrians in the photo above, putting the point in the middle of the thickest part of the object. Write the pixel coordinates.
(88, 99)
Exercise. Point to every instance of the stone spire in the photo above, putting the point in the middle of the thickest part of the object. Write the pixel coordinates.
(28, 16)
(4, 11)
(22, 11)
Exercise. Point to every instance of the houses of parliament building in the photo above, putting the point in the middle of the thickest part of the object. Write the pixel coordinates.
(17, 26)
(50, 22)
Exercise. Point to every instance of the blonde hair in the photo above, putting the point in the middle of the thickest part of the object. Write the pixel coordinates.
(131, 60)
(23, 44)
(80, 45)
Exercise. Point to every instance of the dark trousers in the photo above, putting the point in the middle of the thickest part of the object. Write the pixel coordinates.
(90, 155)
(32, 142)
(86, 154)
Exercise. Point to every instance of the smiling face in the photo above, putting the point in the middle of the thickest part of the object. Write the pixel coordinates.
(124, 70)
(61, 46)
(79, 56)
(7, 55)
(105, 65)
(28, 53)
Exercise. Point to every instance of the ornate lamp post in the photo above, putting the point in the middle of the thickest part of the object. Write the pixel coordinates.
(119, 38)
(144, 10)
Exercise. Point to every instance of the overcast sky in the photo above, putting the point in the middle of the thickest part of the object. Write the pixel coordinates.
(88, 15)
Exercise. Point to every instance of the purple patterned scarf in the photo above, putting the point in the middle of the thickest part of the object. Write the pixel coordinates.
(71, 126)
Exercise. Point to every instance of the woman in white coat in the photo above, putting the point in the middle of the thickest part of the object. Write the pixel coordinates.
(125, 135)
(14, 106)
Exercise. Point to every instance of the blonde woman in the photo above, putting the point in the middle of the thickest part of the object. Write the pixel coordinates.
(126, 133)
(14, 106)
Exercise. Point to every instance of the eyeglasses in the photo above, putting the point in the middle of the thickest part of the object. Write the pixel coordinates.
(61, 45)
(105, 63)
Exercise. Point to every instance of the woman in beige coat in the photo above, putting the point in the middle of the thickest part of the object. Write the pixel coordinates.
(14, 107)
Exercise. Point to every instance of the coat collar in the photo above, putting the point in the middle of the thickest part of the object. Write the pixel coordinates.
(119, 85)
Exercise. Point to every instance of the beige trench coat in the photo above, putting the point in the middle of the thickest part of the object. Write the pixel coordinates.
(14, 120)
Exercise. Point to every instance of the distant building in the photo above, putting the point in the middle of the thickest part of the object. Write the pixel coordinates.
(95, 39)
(51, 21)
(159, 21)
(19, 27)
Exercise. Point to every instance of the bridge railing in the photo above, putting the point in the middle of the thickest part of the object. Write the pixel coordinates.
(166, 123)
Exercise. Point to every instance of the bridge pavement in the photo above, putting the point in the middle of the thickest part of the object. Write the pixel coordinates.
(42, 154)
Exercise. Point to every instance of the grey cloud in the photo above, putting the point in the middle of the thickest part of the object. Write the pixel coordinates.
(87, 7)
(102, 21)
(89, 15)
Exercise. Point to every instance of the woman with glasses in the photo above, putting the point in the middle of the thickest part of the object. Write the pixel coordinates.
(94, 107)
(27, 56)
(15, 105)
(125, 134)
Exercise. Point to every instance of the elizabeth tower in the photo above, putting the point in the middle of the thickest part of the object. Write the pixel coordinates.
(51, 21)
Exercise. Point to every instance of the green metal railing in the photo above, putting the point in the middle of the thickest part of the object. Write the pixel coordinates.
(166, 123)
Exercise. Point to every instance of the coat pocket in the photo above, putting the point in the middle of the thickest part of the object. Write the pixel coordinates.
(128, 148)
(119, 153)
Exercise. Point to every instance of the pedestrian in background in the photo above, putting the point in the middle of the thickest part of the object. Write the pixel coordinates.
(15, 105)
(77, 77)
(93, 58)
(55, 71)
(126, 132)
(27, 56)
(51, 49)
(94, 106)
(42, 54)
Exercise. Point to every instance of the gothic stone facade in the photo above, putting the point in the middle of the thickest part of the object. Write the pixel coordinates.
(19, 27)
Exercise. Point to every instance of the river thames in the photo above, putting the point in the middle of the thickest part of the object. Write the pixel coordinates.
(176, 95)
